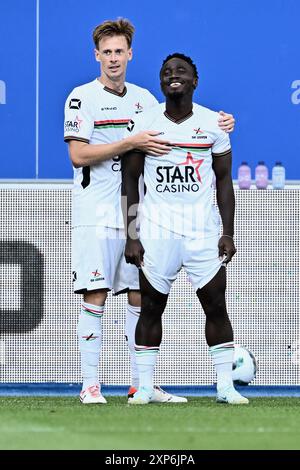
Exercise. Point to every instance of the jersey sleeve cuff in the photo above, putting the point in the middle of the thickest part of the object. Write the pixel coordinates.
(221, 154)
(80, 139)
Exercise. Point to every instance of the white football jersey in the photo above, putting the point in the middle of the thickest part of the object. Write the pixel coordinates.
(96, 114)
(179, 186)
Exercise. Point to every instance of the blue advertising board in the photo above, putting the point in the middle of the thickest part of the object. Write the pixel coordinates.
(17, 89)
(247, 55)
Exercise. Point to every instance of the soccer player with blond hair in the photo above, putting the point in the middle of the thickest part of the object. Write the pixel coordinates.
(96, 116)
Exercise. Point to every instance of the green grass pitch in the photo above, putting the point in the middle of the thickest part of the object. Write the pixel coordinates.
(63, 423)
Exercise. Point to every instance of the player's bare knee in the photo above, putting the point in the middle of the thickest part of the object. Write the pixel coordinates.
(212, 296)
(97, 297)
(153, 306)
(134, 298)
(213, 306)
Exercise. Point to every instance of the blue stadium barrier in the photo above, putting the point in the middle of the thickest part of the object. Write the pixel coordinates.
(64, 390)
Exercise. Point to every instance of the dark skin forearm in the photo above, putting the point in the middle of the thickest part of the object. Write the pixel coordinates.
(226, 203)
(132, 168)
(225, 196)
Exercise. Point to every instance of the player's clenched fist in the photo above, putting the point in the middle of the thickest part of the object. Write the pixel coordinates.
(134, 252)
(226, 248)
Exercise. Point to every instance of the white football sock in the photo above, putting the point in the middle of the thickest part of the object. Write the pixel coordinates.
(222, 357)
(146, 359)
(89, 333)
(132, 317)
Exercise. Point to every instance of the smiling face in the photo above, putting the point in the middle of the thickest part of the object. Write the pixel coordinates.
(177, 78)
(113, 53)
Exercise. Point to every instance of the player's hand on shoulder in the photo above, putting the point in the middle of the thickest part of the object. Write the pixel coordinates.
(149, 143)
(226, 122)
(226, 248)
(134, 252)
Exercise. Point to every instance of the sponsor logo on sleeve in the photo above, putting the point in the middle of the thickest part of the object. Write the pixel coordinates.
(75, 103)
(73, 126)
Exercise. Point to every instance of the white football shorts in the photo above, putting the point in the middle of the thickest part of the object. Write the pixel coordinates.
(166, 255)
(98, 260)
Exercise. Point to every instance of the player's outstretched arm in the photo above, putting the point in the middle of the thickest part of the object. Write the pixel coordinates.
(132, 169)
(149, 143)
(226, 122)
(85, 154)
(226, 203)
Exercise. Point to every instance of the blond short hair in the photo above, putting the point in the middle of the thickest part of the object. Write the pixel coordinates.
(119, 27)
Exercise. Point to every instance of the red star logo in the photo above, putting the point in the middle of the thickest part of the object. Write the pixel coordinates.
(190, 161)
(198, 131)
(79, 121)
(96, 274)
